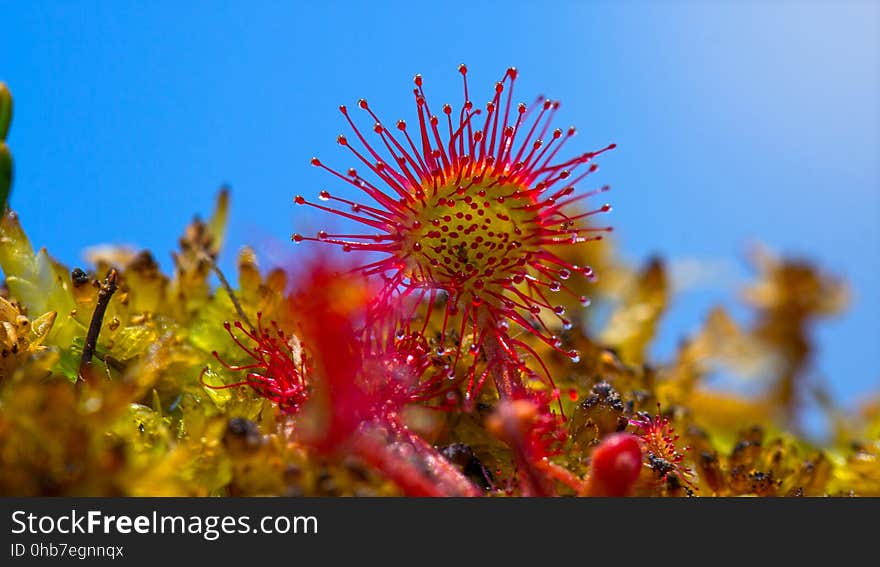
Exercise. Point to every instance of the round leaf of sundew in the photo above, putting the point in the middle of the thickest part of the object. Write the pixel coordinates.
(5, 174)
(5, 111)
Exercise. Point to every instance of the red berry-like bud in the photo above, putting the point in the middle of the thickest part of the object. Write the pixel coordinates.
(615, 465)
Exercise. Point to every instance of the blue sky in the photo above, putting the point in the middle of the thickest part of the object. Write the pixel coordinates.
(736, 122)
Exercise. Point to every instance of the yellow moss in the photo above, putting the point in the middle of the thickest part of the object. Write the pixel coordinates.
(146, 421)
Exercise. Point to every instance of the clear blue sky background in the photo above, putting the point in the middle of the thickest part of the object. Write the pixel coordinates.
(736, 122)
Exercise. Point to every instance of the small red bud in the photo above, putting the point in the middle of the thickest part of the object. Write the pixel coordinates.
(615, 465)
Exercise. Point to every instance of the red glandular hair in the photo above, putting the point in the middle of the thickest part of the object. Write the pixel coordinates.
(278, 369)
(470, 210)
(660, 442)
(359, 393)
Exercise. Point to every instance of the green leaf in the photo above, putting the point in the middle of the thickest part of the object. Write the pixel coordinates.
(5, 111)
(5, 175)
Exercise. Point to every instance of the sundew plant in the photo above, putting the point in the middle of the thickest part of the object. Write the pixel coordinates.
(445, 343)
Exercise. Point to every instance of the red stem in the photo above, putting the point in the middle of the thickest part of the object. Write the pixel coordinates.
(408, 460)
(533, 478)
